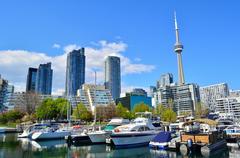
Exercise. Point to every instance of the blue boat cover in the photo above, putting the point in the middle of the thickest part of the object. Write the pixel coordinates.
(162, 137)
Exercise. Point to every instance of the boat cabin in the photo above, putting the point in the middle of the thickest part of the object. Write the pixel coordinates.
(201, 131)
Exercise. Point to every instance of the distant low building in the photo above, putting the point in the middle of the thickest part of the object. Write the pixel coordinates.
(133, 98)
(91, 96)
(234, 93)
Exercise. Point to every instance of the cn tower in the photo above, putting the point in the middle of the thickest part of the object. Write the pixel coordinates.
(178, 47)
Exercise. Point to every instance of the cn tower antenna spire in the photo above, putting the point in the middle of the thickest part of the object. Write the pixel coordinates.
(178, 49)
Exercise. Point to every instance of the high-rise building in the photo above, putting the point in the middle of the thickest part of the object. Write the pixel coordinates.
(3, 91)
(228, 107)
(31, 80)
(44, 79)
(182, 98)
(7, 97)
(209, 94)
(165, 80)
(113, 76)
(75, 72)
(178, 49)
(138, 92)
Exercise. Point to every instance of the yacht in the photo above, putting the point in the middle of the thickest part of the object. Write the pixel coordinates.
(50, 133)
(139, 132)
(101, 135)
(27, 133)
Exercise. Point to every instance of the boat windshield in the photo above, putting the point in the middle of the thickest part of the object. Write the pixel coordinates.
(110, 127)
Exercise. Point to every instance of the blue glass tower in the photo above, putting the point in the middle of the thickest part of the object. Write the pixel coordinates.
(44, 79)
(113, 76)
(75, 72)
(31, 80)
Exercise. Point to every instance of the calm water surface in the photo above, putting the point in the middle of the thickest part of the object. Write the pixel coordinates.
(11, 147)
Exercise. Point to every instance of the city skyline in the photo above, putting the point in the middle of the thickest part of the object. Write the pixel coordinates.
(145, 45)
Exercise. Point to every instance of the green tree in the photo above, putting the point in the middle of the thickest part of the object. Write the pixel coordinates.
(11, 116)
(159, 110)
(53, 109)
(82, 113)
(201, 110)
(123, 112)
(47, 110)
(62, 106)
(169, 115)
(170, 103)
(141, 107)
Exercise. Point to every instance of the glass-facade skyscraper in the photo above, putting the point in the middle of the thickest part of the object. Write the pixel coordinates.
(75, 72)
(113, 76)
(44, 79)
(31, 80)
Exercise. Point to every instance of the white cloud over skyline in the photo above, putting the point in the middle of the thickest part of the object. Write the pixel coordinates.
(14, 64)
(57, 46)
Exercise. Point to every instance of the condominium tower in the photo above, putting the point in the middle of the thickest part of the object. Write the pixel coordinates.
(113, 76)
(44, 79)
(75, 71)
(31, 80)
(209, 94)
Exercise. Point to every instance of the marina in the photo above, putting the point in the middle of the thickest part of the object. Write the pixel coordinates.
(24, 147)
(192, 137)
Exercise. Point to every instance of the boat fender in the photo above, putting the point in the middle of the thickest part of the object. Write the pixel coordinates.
(184, 149)
(116, 130)
(189, 143)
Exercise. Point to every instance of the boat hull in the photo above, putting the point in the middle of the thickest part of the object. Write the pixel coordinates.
(50, 135)
(157, 145)
(98, 137)
(131, 140)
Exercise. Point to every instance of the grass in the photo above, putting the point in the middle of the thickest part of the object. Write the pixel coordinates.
(10, 124)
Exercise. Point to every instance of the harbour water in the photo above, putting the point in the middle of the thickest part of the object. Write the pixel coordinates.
(12, 147)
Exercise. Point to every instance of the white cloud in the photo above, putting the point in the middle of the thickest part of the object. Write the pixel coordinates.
(14, 64)
(57, 46)
(137, 59)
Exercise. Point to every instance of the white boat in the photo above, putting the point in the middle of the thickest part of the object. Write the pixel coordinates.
(27, 133)
(101, 135)
(50, 133)
(224, 123)
(7, 130)
(232, 131)
(139, 132)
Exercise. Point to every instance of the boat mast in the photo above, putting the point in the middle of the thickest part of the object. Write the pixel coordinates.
(94, 100)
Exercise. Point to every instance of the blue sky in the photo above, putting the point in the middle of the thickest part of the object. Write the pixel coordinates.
(209, 31)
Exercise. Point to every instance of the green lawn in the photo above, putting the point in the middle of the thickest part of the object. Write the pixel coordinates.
(12, 125)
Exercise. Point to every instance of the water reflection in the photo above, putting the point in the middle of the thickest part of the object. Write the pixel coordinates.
(11, 147)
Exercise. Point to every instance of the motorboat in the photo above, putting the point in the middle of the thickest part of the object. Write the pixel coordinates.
(101, 135)
(232, 131)
(224, 123)
(232, 134)
(7, 130)
(78, 138)
(50, 133)
(27, 133)
(139, 132)
(161, 140)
